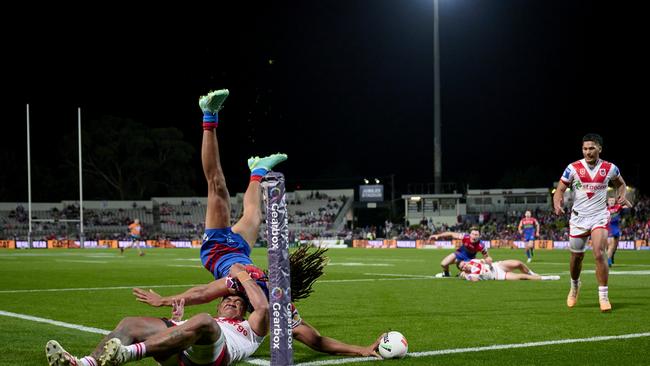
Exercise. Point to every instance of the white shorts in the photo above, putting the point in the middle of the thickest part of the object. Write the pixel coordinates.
(580, 226)
(499, 273)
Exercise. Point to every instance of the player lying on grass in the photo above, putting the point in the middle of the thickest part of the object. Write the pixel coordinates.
(478, 269)
(201, 340)
(306, 267)
(471, 244)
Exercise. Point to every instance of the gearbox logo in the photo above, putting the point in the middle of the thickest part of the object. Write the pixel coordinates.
(277, 293)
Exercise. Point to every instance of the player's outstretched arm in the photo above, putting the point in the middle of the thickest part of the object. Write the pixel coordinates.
(448, 234)
(202, 294)
(308, 335)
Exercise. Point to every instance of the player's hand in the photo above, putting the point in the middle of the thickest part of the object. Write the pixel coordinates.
(236, 268)
(559, 210)
(434, 237)
(371, 351)
(488, 260)
(149, 297)
(624, 201)
(178, 309)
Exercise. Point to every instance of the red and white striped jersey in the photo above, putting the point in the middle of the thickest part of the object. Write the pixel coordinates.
(589, 186)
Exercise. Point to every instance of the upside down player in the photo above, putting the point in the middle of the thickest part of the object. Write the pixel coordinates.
(613, 228)
(588, 179)
(479, 269)
(529, 227)
(223, 245)
(467, 251)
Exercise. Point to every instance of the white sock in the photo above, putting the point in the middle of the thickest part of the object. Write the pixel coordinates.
(88, 361)
(575, 283)
(136, 351)
(530, 272)
(603, 292)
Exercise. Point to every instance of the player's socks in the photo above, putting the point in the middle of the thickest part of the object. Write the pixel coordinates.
(210, 104)
(528, 254)
(603, 299)
(609, 262)
(135, 351)
(87, 361)
(446, 274)
(259, 167)
(116, 354)
(572, 298)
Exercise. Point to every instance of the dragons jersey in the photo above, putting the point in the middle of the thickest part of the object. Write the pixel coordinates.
(240, 338)
(589, 186)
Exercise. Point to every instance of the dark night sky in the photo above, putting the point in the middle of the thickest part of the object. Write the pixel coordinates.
(350, 90)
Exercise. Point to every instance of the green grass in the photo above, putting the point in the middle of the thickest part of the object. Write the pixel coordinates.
(433, 314)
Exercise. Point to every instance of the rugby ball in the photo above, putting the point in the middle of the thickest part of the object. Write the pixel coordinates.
(393, 345)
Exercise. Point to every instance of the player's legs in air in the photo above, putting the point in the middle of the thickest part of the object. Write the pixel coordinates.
(224, 245)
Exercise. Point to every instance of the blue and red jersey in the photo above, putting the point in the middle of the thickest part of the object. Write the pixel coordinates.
(614, 220)
(468, 250)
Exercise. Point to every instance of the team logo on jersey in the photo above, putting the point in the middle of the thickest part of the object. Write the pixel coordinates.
(603, 172)
(582, 172)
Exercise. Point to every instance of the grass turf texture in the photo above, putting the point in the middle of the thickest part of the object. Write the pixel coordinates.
(364, 292)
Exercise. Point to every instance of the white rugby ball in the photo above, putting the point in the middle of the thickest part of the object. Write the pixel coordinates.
(393, 345)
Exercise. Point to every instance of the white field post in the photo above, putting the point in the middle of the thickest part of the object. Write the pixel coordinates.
(29, 184)
(81, 190)
(279, 286)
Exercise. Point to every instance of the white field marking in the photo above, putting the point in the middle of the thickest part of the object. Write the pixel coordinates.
(617, 273)
(79, 261)
(375, 279)
(54, 322)
(190, 285)
(463, 350)
(398, 275)
(567, 264)
(387, 259)
(91, 288)
(359, 264)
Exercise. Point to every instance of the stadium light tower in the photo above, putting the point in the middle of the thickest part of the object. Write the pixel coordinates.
(437, 151)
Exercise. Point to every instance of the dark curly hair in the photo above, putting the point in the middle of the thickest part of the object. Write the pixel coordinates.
(307, 264)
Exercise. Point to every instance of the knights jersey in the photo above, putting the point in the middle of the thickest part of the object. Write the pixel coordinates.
(589, 186)
(528, 224)
(614, 215)
(472, 248)
(240, 338)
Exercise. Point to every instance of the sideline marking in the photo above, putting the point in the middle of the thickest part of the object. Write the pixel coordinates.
(54, 322)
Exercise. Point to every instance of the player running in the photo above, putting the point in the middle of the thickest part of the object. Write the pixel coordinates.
(613, 228)
(529, 227)
(588, 179)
